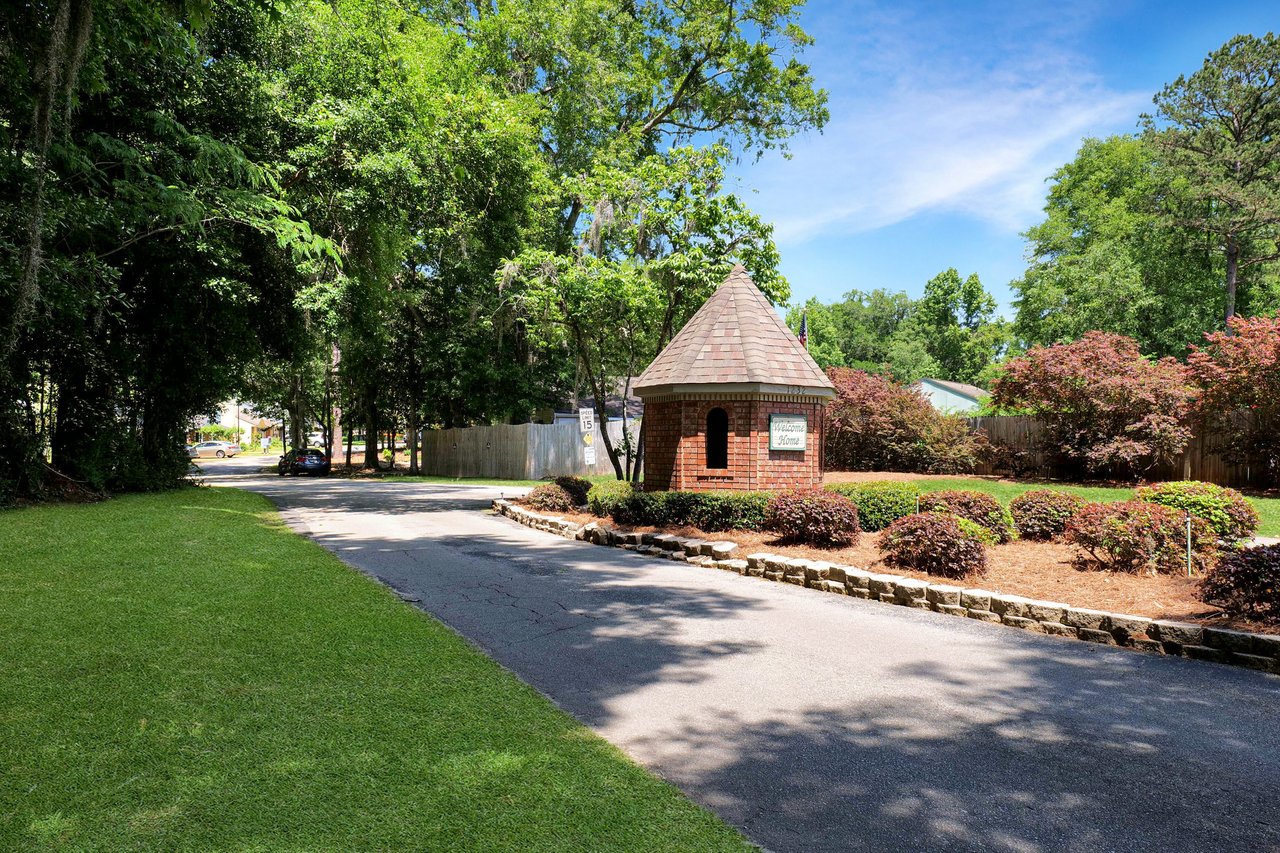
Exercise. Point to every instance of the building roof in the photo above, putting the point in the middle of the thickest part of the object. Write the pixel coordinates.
(964, 389)
(737, 339)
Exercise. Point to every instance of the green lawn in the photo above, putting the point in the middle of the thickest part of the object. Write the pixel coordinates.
(1268, 508)
(181, 672)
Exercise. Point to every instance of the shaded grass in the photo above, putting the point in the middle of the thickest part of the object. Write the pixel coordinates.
(1268, 508)
(181, 672)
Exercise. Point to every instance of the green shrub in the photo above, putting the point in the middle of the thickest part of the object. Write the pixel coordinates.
(978, 507)
(1043, 513)
(729, 510)
(880, 502)
(602, 498)
(1246, 582)
(937, 543)
(814, 517)
(707, 510)
(550, 498)
(1137, 537)
(577, 487)
(1226, 511)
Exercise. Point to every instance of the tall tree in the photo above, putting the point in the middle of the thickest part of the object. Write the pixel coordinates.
(956, 321)
(1220, 129)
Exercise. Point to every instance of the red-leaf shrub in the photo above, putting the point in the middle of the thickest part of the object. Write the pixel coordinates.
(813, 516)
(1246, 583)
(937, 543)
(577, 487)
(1226, 511)
(1103, 405)
(1239, 377)
(550, 498)
(1139, 537)
(978, 507)
(874, 424)
(1043, 513)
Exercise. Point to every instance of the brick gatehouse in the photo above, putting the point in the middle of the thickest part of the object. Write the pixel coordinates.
(734, 401)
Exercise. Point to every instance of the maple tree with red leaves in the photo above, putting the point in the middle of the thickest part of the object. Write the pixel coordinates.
(1238, 371)
(1105, 407)
(875, 424)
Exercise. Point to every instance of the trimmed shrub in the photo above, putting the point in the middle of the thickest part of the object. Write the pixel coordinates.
(709, 511)
(1226, 511)
(813, 516)
(602, 498)
(978, 507)
(1044, 513)
(937, 543)
(1137, 536)
(1246, 583)
(550, 498)
(729, 511)
(577, 487)
(880, 502)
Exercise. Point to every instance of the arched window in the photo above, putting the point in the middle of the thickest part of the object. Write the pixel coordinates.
(717, 439)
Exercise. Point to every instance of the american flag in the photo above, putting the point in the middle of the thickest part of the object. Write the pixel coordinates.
(803, 334)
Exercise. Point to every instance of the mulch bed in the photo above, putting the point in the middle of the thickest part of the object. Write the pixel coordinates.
(1041, 570)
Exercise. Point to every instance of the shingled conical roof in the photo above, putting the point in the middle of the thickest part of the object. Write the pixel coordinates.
(735, 339)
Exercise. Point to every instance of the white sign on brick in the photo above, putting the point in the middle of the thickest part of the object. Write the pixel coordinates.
(788, 432)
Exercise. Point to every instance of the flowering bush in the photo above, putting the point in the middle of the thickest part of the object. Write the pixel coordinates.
(1138, 537)
(1246, 583)
(881, 502)
(1043, 513)
(874, 424)
(1227, 512)
(1238, 372)
(813, 516)
(1104, 406)
(978, 507)
(937, 543)
(550, 498)
(577, 487)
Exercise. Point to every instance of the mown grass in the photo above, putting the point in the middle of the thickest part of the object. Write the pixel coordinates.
(1268, 508)
(181, 672)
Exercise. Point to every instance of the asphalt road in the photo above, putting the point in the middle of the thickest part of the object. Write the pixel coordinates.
(815, 722)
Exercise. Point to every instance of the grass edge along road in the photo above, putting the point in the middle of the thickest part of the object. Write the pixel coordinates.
(182, 671)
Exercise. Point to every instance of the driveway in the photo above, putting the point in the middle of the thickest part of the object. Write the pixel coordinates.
(816, 722)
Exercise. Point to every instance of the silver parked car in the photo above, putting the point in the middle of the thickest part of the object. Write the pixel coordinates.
(219, 449)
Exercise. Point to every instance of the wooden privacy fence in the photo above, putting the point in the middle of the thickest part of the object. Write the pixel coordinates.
(1026, 434)
(515, 451)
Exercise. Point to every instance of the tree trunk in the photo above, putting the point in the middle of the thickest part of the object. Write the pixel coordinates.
(371, 436)
(638, 466)
(411, 439)
(1233, 274)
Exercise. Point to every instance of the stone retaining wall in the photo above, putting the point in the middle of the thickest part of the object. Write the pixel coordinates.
(1155, 636)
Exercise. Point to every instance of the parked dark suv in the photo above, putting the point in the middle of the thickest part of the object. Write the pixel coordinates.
(304, 460)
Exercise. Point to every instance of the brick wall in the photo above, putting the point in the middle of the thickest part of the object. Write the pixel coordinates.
(675, 455)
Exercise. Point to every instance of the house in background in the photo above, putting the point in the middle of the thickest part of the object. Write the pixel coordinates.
(952, 397)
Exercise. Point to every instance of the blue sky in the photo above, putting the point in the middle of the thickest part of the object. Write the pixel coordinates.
(946, 120)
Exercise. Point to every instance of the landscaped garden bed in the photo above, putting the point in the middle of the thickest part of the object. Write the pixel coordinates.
(1044, 570)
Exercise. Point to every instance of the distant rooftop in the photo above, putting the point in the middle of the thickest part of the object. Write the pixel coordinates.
(735, 338)
(964, 389)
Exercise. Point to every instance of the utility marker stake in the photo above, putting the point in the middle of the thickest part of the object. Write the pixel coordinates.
(1188, 544)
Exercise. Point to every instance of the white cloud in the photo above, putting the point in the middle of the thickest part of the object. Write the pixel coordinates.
(925, 119)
